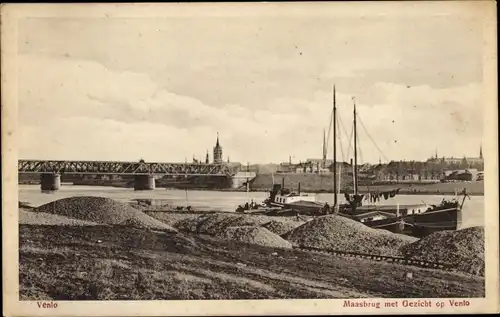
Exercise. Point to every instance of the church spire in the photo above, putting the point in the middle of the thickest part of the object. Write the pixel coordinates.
(217, 151)
(481, 151)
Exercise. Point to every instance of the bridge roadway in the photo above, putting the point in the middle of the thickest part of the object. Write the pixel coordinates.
(143, 171)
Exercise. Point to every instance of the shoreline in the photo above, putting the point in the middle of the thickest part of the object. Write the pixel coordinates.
(438, 190)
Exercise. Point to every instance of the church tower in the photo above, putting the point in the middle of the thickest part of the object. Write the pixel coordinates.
(481, 151)
(217, 152)
(207, 159)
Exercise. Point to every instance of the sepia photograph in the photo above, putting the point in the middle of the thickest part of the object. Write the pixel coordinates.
(300, 151)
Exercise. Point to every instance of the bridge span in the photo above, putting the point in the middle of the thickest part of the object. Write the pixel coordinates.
(50, 171)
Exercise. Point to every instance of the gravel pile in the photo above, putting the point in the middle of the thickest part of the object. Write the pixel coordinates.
(103, 211)
(254, 235)
(343, 234)
(170, 218)
(189, 224)
(464, 248)
(147, 223)
(249, 220)
(41, 218)
(216, 223)
(281, 227)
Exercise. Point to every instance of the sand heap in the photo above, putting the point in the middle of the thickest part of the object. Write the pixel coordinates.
(211, 224)
(343, 234)
(281, 227)
(189, 224)
(255, 235)
(464, 248)
(170, 218)
(233, 227)
(250, 220)
(214, 224)
(41, 218)
(103, 211)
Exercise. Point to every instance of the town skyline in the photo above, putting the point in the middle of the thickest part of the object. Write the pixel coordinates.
(223, 158)
(160, 89)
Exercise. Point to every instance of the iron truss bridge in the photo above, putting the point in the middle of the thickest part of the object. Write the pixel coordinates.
(124, 168)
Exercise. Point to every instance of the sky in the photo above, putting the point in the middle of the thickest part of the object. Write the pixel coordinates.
(161, 89)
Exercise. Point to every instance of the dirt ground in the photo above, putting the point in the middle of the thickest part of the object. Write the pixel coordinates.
(121, 263)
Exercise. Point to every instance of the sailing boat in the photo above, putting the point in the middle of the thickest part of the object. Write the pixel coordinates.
(416, 220)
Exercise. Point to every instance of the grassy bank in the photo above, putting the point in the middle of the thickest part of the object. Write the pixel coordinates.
(324, 183)
(122, 263)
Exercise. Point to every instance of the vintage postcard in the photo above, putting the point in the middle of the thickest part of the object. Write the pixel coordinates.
(249, 158)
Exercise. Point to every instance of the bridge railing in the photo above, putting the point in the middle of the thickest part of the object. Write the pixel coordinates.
(124, 168)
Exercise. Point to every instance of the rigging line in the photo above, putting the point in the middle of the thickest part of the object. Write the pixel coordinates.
(361, 160)
(358, 147)
(359, 150)
(340, 169)
(341, 125)
(338, 187)
(373, 141)
(329, 131)
(349, 137)
(349, 147)
(340, 142)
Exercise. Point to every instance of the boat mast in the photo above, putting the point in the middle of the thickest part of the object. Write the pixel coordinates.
(355, 152)
(334, 120)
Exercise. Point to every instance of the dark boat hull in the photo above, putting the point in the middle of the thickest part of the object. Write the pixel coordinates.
(305, 208)
(417, 225)
(423, 224)
(390, 209)
(394, 225)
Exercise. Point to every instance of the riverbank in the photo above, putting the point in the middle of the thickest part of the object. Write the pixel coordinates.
(472, 188)
(313, 183)
(220, 256)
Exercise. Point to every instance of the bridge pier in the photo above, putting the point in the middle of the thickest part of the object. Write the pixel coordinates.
(144, 182)
(50, 182)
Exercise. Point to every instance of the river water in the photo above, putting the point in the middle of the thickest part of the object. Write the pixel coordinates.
(473, 211)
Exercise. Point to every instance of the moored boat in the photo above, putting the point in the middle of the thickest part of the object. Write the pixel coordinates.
(445, 216)
(410, 219)
(416, 220)
(306, 207)
(281, 197)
